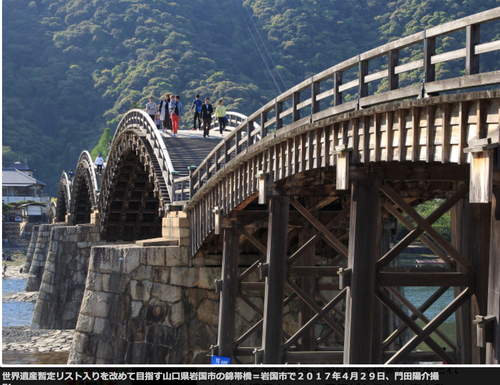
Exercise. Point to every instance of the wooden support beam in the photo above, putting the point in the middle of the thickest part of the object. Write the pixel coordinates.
(401, 354)
(424, 225)
(424, 333)
(420, 314)
(427, 304)
(328, 236)
(275, 280)
(450, 279)
(227, 302)
(321, 313)
(364, 250)
(493, 306)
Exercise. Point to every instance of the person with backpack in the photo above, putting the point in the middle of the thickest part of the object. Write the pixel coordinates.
(206, 115)
(176, 113)
(196, 106)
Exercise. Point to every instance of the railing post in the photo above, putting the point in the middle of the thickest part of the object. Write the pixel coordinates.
(296, 111)
(250, 128)
(471, 59)
(263, 120)
(429, 51)
(363, 71)
(315, 90)
(191, 184)
(337, 82)
(393, 62)
(278, 110)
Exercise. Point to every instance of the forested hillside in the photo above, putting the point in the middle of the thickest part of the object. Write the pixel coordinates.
(71, 68)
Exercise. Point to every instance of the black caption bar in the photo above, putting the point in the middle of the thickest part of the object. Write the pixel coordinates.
(435, 375)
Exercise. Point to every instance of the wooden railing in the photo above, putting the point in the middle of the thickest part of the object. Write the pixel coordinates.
(182, 186)
(140, 121)
(323, 95)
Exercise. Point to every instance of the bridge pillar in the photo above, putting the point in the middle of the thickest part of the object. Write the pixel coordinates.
(275, 279)
(493, 346)
(364, 250)
(227, 302)
(474, 243)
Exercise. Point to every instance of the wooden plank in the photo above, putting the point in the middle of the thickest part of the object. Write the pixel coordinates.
(430, 133)
(446, 134)
(462, 139)
(481, 177)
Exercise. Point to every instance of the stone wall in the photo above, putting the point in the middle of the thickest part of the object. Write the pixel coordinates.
(146, 305)
(39, 256)
(63, 281)
(31, 248)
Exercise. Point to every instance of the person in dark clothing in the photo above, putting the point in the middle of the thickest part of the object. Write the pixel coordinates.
(196, 106)
(206, 115)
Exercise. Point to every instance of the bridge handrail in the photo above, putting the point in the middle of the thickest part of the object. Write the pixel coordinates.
(248, 133)
(139, 119)
(85, 156)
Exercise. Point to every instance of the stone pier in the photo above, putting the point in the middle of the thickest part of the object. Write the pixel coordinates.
(146, 305)
(37, 265)
(64, 275)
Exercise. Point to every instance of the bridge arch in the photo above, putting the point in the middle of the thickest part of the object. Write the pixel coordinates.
(63, 206)
(135, 189)
(85, 190)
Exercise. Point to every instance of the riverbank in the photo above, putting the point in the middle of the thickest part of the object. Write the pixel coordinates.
(20, 345)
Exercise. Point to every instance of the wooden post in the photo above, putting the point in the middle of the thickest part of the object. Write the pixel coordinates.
(275, 280)
(364, 250)
(393, 77)
(227, 304)
(493, 349)
(471, 59)
(475, 231)
(307, 284)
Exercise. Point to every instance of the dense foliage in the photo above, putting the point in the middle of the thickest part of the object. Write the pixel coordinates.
(72, 68)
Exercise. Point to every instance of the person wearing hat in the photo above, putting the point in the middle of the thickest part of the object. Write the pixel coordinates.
(99, 161)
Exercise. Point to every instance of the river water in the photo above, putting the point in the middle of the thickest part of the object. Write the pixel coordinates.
(19, 313)
(16, 313)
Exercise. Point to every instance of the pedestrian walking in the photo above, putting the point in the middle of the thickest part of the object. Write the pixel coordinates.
(206, 115)
(151, 108)
(220, 114)
(99, 161)
(196, 106)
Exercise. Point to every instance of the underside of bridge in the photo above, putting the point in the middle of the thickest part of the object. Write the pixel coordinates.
(82, 204)
(131, 211)
(334, 278)
(63, 199)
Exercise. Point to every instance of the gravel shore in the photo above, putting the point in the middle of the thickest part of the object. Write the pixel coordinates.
(21, 338)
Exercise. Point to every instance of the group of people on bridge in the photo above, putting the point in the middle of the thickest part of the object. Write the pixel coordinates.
(168, 112)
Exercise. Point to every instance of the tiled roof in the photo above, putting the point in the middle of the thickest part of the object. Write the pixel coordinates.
(18, 178)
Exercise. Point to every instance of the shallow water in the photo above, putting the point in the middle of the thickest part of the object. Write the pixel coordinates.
(16, 313)
(15, 357)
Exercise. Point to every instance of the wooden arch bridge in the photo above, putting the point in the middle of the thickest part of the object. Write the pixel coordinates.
(300, 203)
